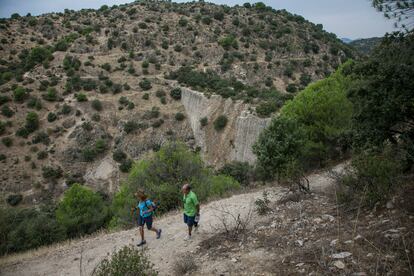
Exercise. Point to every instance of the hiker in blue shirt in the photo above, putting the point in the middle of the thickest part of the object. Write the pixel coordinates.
(145, 208)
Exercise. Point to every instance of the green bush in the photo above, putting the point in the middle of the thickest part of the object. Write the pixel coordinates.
(80, 97)
(160, 93)
(176, 93)
(130, 126)
(240, 171)
(96, 104)
(126, 261)
(119, 155)
(126, 165)
(32, 122)
(228, 42)
(89, 154)
(34, 103)
(23, 229)
(179, 116)
(51, 117)
(221, 184)
(280, 143)
(220, 123)
(145, 84)
(41, 137)
(51, 95)
(145, 96)
(81, 211)
(265, 109)
(204, 121)
(14, 199)
(6, 111)
(374, 176)
(19, 94)
(52, 173)
(7, 141)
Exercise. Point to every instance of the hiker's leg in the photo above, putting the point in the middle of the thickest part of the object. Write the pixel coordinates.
(141, 232)
(190, 228)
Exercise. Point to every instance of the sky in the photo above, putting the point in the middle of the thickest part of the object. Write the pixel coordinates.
(346, 18)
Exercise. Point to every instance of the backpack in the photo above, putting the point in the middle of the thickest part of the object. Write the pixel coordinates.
(154, 205)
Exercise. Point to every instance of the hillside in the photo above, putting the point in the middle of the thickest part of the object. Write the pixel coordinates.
(84, 93)
(366, 45)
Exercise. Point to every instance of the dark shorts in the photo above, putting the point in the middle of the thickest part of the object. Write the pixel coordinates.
(145, 220)
(190, 220)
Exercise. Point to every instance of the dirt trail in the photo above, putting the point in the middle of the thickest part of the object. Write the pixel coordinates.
(66, 259)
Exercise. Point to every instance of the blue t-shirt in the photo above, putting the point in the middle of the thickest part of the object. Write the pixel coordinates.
(144, 206)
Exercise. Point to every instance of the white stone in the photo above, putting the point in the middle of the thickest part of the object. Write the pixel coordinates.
(341, 255)
(339, 264)
(234, 260)
(334, 242)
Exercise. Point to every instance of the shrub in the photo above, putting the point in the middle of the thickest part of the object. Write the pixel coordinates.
(179, 116)
(130, 126)
(23, 229)
(41, 137)
(7, 141)
(126, 261)
(119, 155)
(182, 22)
(4, 99)
(81, 211)
(6, 111)
(220, 123)
(178, 48)
(51, 173)
(374, 176)
(204, 121)
(145, 84)
(228, 42)
(14, 199)
(291, 88)
(96, 104)
(32, 122)
(106, 66)
(220, 184)
(100, 146)
(51, 117)
(89, 154)
(282, 141)
(160, 93)
(35, 103)
(264, 109)
(19, 94)
(262, 204)
(240, 171)
(185, 265)
(66, 109)
(80, 97)
(126, 165)
(51, 95)
(145, 96)
(176, 93)
(41, 155)
(157, 123)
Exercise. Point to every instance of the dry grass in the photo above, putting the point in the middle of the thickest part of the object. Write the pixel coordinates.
(184, 264)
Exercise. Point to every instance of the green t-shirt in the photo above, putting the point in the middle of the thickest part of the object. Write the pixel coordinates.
(190, 202)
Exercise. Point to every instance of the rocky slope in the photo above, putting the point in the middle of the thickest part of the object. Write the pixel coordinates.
(77, 87)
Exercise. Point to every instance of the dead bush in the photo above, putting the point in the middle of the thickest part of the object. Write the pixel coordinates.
(184, 265)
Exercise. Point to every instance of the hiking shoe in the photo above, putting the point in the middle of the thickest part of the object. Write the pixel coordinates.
(159, 233)
(187, 238)
(142, 243)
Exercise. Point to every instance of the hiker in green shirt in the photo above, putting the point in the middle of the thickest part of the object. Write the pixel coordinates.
(191, 209)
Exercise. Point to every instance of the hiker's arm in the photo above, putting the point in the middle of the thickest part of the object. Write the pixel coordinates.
(150, 209)
(198, 209)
